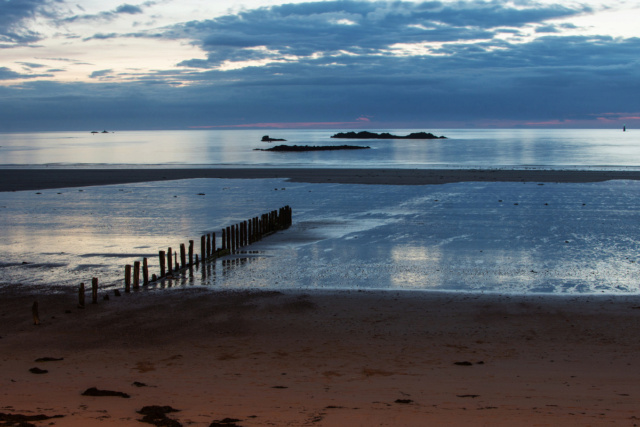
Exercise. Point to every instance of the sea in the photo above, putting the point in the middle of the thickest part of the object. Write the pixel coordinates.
(494, 237)
(464, 148)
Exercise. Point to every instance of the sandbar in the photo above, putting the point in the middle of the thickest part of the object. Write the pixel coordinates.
(45, 178)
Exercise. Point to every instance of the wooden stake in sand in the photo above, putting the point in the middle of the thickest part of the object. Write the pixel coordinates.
(81, 296)
(127, 278)
(94, 290)
(161, 255)
(136, 275)
(145, 272)
(183, 255)
(170, 260)
(36, 315)
(190, 253)
(203, 247)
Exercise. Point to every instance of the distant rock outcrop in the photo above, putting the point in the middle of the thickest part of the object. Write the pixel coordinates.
(372, 135)
(297, 148)
(267, 139)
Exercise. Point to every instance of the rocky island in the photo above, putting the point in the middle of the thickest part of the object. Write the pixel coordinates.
(298, 148)
(266, 138)
(372, 135)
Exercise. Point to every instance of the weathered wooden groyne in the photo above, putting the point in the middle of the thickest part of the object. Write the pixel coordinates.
(232, 239)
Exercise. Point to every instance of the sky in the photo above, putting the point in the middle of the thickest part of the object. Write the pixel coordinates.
(200, 64)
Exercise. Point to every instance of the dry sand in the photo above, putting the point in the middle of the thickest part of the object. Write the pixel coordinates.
(40, 179)
(320, 358)
(325, 358)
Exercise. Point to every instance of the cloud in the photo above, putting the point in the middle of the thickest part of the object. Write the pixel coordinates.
(15, 16)
(101, 36)
(8, 74)
(31, 65)
(123, 9)
(128, 9)
(100, 73)
(290, 31)
(291, 125)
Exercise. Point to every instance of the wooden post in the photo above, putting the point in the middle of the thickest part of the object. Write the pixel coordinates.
(234, 232)
(190, 253)
(169, 260)
(34, 312)
(145, 272)
(183, 255)
(213, 243)
(203, 247)
(81, 296)
(162, 260)
(136, 275)
(244, 233)
(237, 237)
(208, 245)
(255, 229)
(175, 256)
(224, 239)
(127, 278)
(94, 290)
(228, 238)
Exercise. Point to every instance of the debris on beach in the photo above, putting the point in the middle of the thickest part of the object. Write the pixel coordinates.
(37, 370)
(23, 420)
(157, 415)
(225, 422)
(49, 359)
(93, 391)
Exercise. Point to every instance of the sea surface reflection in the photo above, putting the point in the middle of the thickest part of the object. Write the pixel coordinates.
(484, 237)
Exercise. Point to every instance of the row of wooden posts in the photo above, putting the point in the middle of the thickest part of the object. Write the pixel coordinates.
(233, 238)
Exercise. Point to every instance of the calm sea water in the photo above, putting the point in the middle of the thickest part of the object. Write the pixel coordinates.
(464, 148)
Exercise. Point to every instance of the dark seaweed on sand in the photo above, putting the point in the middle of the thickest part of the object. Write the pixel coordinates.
(157, 415)
(23, 420)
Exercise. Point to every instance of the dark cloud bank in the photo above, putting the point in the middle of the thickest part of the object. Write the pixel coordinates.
(334, 61)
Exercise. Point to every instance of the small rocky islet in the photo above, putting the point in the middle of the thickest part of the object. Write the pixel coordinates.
(299, 148)
(384, 135)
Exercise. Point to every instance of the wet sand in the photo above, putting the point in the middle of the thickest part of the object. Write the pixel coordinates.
(326, 358)
(40, 179)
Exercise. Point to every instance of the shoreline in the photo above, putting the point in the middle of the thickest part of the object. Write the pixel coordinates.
(326, 358)
(42, 179)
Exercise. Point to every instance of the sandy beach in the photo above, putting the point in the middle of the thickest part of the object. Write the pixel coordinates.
(334, 359)
(326, 358)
